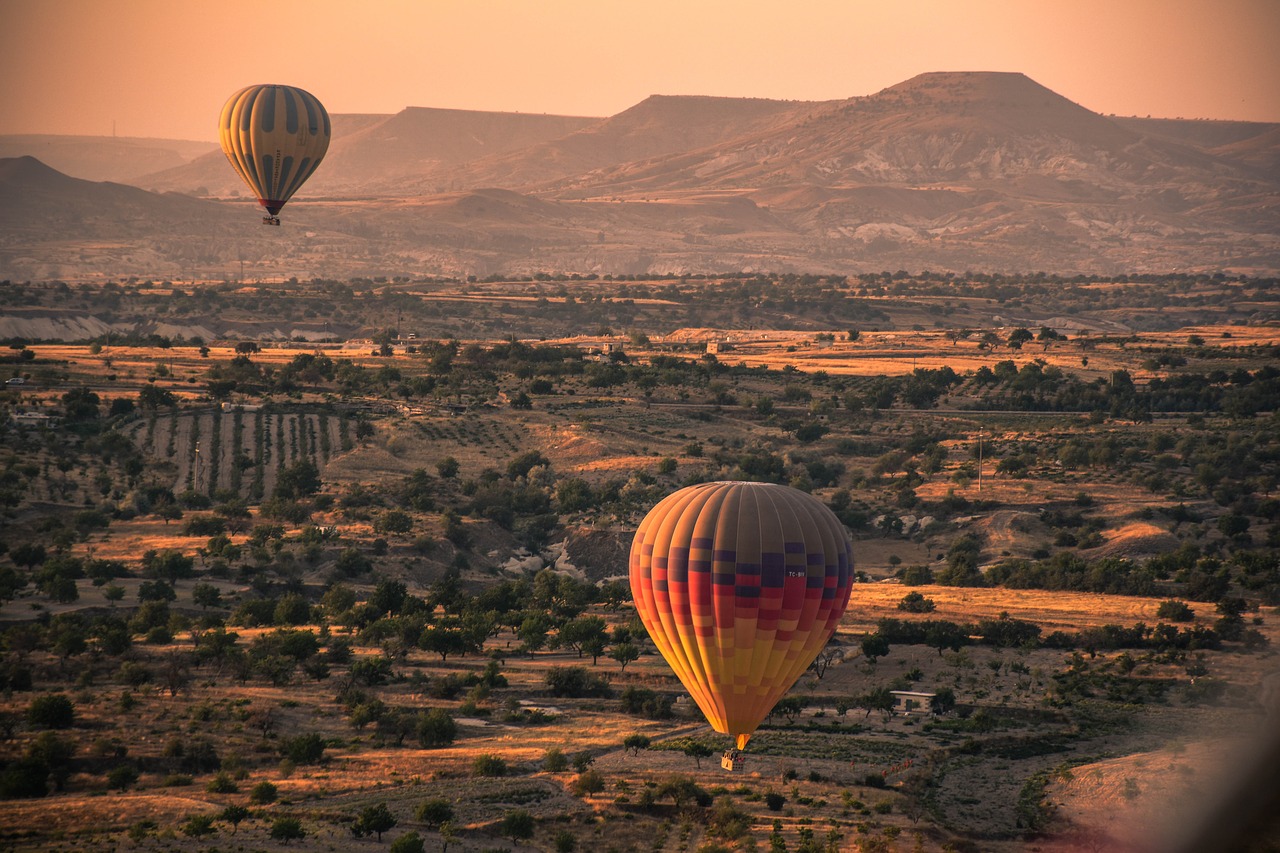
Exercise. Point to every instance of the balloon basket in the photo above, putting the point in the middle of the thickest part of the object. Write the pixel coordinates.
(733, 760)
(271, 220)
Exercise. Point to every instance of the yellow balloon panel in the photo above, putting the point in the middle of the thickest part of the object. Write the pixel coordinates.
(740, 585)
(274, 136)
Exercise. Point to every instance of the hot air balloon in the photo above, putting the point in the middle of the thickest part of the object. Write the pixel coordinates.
(740, 585)
(275, 137)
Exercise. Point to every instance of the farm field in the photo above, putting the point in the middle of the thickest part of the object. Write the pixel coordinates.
(266, 594)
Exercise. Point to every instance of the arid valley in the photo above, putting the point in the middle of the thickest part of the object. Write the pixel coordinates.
(460, 427)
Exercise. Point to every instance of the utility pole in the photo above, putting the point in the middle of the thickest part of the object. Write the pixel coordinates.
(979, 460)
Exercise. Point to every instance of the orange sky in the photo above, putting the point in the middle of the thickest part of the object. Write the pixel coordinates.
(164, 67)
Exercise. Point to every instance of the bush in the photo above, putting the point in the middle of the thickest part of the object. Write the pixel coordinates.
(914, 602)
(286, 829)
(646, 702)
(410, 842)
(489, 765)
(24, 779)
(263, 793)
(517, 825)
(54, 711)
(435, 728)
(576, 681)
(198, 825)
(122, 776)
(554, 760)
(1175, 611)
(435, 812)
(304, 749)
(222, 784)
(774, 801)
(588, 782)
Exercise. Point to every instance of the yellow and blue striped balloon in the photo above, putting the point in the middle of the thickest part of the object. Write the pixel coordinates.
(740, 585)
(275, 136)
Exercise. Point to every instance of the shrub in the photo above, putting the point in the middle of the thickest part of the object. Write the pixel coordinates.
(434, 812)
(646, 702)
(24, 779)
(122, 776)
(54, 711)
(914, 602)
(774, 801)
(286, 829)
(410, 842)
(221, 784)
(1175, 611)
(576, 681)
(554, 760)
(198, 825)
(517, 825)
(435, 728)
(304, 749)
(489, 765)
(262, 793)
(588, 782)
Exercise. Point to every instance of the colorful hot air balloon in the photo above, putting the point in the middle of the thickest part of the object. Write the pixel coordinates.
(275, 137)
(740, 585)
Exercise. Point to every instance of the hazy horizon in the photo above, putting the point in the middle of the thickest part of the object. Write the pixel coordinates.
(163, 70)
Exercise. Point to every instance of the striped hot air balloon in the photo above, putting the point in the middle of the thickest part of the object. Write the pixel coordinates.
(275, 137)
(740, 585)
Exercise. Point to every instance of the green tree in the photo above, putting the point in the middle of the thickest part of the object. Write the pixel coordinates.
(625, 653)
(874, 646)
(635, 743)
(877, 699)
(374, 820)
(517, 825)
(205, 595)
(234, 814)
(697, 750)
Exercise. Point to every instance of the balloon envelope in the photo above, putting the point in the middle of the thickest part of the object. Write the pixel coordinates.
(740, 585)
(275, 137)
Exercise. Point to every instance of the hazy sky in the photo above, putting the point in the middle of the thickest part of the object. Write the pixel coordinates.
(164, 67)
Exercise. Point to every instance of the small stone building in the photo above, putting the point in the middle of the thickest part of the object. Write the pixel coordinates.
(912, 702)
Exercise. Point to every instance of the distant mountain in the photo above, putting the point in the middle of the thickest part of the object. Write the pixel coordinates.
(56, 226)
(210, 174)
(945, 127)
(378, 154)
(947, 171)
(658, 126)
(39, 199)
(104, 158)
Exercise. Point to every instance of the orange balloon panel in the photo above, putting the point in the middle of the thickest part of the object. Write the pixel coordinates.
(740, 586)
(275, 137)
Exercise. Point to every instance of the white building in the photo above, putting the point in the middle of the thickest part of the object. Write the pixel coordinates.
(911, 702)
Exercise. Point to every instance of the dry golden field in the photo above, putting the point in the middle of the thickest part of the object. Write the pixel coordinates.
(1049, 748)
